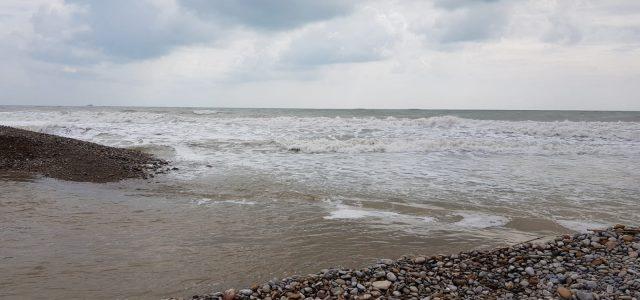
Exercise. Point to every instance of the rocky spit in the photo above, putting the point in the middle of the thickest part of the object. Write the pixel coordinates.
(25, 151)
(601, 264)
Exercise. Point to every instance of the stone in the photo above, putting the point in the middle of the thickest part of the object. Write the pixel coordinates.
(291, 295)
(419, 260)
(459, 282)
(584, 295)
(229, 294)
(246, 292)
(627, 238)
(391, 276)
(564, 293)
(381, 284)
(596, 262)
(530, 271)
(508, 285)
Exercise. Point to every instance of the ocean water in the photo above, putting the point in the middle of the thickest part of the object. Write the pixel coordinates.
(263, 193)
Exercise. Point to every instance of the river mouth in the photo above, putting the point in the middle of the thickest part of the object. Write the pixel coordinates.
(239, 206)
(175, 238)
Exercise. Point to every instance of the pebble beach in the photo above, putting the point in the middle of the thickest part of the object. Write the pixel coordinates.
(600, 264)
(30, 152)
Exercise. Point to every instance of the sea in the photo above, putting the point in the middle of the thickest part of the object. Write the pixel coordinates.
(269, 193)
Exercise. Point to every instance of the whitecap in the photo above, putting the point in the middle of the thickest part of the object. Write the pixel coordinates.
(202, 201)
(205, 112)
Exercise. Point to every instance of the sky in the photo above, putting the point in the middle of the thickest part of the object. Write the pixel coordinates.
(438, 54)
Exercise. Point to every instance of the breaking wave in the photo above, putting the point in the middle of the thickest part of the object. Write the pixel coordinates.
(238, 133)
(204, 112)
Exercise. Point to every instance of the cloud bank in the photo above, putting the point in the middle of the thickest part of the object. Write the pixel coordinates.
(487, 54)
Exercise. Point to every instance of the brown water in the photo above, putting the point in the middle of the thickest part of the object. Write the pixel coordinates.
(143, 240)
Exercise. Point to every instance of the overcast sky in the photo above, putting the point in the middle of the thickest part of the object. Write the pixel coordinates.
(460, 54)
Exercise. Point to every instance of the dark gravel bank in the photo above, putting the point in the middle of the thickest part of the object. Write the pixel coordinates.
(603, 264)
(71, 159)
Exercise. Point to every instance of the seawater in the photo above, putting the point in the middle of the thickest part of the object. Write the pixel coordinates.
(264, 193)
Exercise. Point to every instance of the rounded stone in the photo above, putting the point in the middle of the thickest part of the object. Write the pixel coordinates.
(381, 284)
(391, 276)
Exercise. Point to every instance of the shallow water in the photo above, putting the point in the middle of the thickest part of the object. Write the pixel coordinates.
(271, 193)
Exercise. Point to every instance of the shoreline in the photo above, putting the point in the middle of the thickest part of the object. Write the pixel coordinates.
(600, 264)
(30, 152)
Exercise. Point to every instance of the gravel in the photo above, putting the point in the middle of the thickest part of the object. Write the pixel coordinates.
(31, 152)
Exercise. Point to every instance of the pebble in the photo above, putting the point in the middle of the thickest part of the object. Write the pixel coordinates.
(564, 293)
(530, 271)
(583, 295)
(382, 284)
(391, 276)
(246, 292)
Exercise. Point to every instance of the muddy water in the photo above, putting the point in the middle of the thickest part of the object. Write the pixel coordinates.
(140, 239)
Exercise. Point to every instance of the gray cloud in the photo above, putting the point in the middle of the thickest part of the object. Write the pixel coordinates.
(270, 15)
(138, 30)
(469, 21)
(116, 30)
(90, 31)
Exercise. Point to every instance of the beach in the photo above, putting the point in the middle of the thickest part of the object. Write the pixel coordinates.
(603, 264)
(251, 196)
